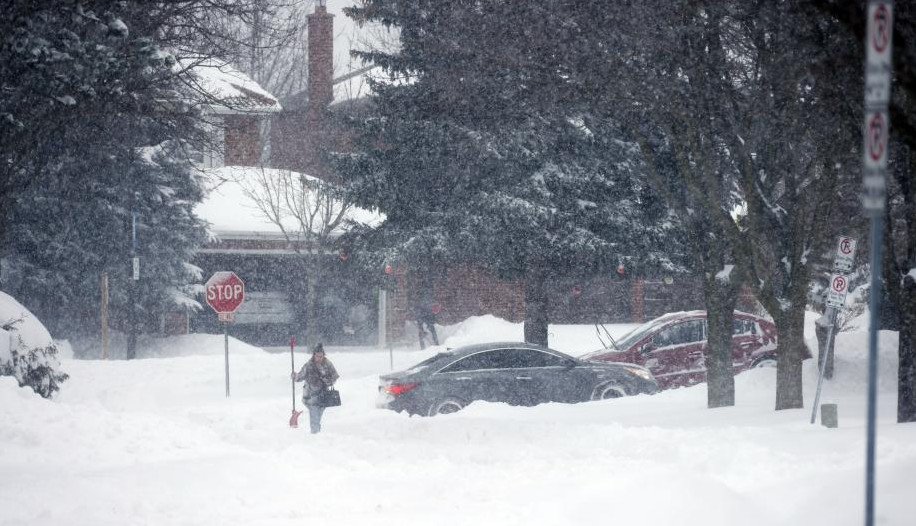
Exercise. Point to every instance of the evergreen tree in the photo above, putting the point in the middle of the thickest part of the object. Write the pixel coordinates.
(79, 225)
(479, 157)
(31, 357)
(95, 127)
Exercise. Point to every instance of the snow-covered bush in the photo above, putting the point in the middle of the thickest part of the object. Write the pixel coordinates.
(30, 355)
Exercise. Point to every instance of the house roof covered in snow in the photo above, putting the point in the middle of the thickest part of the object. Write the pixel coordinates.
(232, 209)
(227, 90)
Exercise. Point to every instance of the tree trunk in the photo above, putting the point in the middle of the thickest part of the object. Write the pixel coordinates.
(790, 351)
(906, 372)
(536, 306)
(720, 373)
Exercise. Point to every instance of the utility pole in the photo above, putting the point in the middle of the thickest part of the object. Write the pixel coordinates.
(132, 302)
(104, 315)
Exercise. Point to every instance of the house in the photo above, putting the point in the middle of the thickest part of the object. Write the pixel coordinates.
(272, 257)
(269, 255)
(238, 112)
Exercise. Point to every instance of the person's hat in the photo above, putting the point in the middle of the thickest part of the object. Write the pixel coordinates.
(318, 348)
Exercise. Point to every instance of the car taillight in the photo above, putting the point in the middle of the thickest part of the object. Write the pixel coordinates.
(399, 389)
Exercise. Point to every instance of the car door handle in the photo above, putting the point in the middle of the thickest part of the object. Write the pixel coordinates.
(463, 378)
(523, 378)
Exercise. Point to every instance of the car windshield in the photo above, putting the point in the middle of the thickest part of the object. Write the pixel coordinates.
(636, 334)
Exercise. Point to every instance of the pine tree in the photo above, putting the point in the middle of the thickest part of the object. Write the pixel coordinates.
(94, 129)
(477, 156)
(31, 356)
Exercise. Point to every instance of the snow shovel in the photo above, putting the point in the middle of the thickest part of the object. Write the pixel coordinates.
(294, 419)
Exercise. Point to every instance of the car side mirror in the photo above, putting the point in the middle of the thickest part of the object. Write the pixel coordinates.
(646, 348)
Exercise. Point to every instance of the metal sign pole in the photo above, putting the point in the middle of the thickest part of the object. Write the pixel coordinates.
(874, 305)
(823, 366)
(382, 317)
(878, 44)
(226, 333)
(225, 293)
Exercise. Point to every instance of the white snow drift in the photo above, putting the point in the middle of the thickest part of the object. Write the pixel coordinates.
(155, 441)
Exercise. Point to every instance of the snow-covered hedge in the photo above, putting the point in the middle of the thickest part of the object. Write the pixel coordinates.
(27, 351)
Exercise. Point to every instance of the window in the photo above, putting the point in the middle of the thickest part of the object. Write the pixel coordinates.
(506, 359)
(680, 334)
(212, 154)
(742, 327)
(532, 358)
(474, 362)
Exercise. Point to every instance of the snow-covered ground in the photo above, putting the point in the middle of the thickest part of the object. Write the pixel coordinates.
(155, 441)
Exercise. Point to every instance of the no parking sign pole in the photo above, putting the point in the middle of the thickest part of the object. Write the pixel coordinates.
(878, 40)
(836, 299)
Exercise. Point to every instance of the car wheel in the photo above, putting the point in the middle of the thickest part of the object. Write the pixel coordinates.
(446, 406)
(764, 361)
(608, 391)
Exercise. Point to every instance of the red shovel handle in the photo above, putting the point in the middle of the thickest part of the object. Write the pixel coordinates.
(294, 419)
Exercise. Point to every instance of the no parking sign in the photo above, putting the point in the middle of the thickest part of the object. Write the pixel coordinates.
(836, 294)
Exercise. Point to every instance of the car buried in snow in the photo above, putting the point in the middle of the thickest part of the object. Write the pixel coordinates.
(510, 372)
(674, 347)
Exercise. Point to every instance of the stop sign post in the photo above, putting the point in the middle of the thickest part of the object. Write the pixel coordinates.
(225, 292)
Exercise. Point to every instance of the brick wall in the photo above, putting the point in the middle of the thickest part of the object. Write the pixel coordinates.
(243, 140)
(467, 291)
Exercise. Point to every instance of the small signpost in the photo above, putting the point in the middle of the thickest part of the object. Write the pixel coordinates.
(836, 299)
(225, 292)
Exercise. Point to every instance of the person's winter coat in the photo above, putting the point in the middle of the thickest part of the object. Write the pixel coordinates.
(318, 376)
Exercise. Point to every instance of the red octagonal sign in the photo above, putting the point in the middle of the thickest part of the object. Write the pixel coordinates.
(225, 291)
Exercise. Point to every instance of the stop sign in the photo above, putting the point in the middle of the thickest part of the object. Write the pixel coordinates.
(225, 291)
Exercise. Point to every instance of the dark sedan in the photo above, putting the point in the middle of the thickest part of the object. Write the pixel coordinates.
(514, 373)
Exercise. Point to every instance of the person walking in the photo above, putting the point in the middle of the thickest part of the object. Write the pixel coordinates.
(319, 375)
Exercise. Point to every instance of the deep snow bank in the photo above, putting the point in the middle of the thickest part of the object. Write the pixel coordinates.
(27, 351)
(155, 441)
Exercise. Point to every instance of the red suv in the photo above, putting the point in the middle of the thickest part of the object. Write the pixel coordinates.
(673, 346)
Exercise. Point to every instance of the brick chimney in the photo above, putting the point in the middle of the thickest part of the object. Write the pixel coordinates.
(321, 57)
